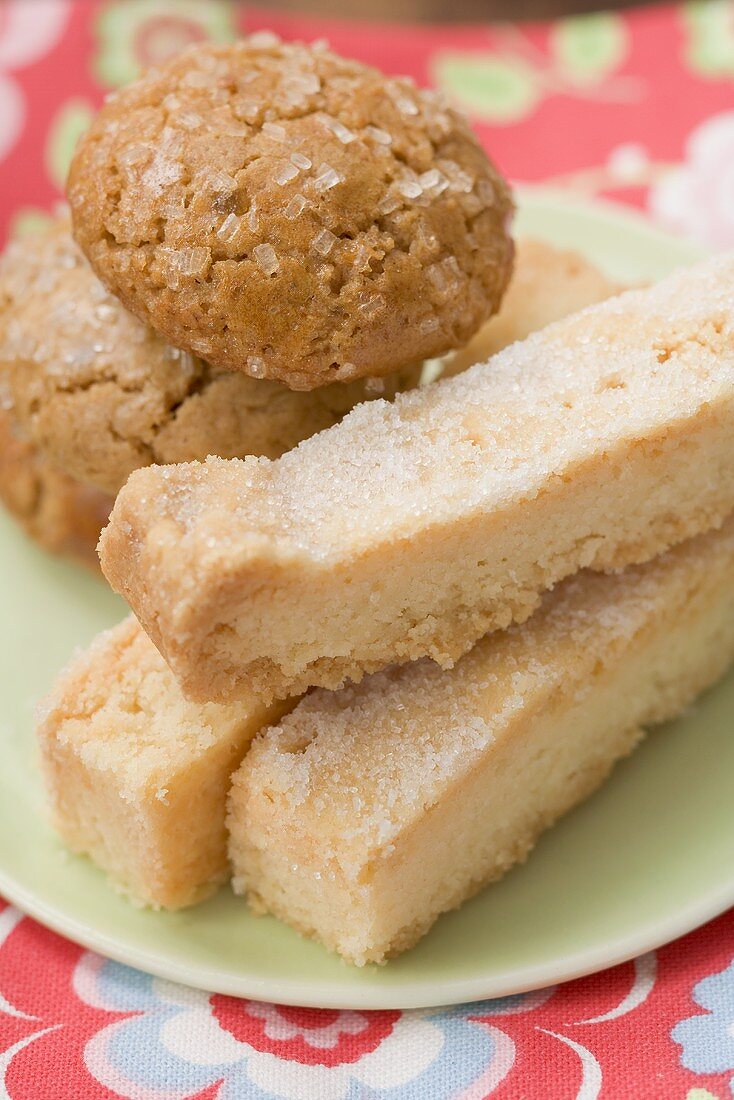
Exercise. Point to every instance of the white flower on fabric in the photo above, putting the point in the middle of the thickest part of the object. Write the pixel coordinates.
(628, 163)
(321, 1036)
(329, 1055)
(12, 114)
(273, 1052)
(697, 198)
(27, 33)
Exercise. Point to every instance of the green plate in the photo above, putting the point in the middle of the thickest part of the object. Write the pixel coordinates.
(648, 858)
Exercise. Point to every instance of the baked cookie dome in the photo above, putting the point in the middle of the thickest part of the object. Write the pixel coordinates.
(284, 212)
(101, 394)
(59, 513)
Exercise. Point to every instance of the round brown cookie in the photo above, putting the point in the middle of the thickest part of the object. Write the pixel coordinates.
(58, 512)
(284, 212)
(102, 394)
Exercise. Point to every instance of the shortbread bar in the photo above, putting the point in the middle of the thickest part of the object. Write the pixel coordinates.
(370, 811)
(413, 528)
(547, 283)
(137, 777)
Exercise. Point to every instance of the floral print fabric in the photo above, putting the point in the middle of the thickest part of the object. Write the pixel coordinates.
(636, 106)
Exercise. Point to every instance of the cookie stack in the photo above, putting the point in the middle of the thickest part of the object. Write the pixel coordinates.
(253, 233)
(91, 394)
(435, 625)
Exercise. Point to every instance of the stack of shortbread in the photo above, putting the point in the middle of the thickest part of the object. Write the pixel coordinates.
(362, 678)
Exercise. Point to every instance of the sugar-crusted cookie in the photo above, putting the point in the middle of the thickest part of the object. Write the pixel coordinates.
(101, 394)
(60, 513)
(369, 811)
(413, 528)
(282, 211)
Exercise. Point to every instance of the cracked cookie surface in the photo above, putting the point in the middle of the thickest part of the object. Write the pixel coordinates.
(101, 394)
(281, 211)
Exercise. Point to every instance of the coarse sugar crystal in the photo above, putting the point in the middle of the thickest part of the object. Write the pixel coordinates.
(266, 259)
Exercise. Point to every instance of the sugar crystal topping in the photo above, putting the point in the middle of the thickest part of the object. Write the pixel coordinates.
(433, 181)
(274, 130)
(326, 178)
(295, 206)
(266, 259)
(310, 124)
(369, 309)
(358, 765)
(228, 229)
(256, 366)
(249, 110)
(495, 434)
(409, 189)
(406, 105)
(285, 173)
(388, 204)
(323, 242)
(380, 136)
(189, 261)
(263, 40)
(343, 133)
(220, 181)
(189, 120)
(195, 79)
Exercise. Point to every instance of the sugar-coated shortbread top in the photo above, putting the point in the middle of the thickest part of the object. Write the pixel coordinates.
(119, 706)
(285, 212)
(413, 529)
(356, 767)
(102, 394)
(484, 439)
(548, 283)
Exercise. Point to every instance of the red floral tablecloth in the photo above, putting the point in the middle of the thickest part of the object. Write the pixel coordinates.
(637, 106)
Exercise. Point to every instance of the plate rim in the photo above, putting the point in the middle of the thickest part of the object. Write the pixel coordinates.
(410, 993)
(631, 217)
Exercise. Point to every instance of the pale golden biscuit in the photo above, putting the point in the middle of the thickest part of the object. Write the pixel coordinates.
(370, 811)
(279, 210)
(101, 394)
(548, 283)
(412, 529)
(61, 514)
(136, 776)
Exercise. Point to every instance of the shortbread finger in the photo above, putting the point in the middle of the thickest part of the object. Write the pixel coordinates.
(370, 811)
(412, 529)
(547, 284)
(136, 776)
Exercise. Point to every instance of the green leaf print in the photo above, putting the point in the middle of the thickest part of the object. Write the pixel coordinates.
(135, 34)
(28, 221)
(68, 125)
(709, 26)
(589, 47)
(492, 88)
